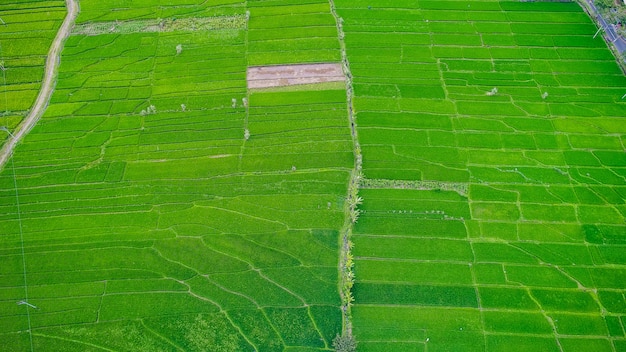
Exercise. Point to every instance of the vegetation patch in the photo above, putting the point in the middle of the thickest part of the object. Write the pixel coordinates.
(162, 25)
(412, 184)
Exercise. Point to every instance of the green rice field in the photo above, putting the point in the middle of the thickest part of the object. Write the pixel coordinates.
(161, 205)
(138, 215)
(27, 29)
(518, 104)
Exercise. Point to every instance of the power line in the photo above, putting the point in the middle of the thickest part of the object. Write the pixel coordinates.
(19, 221)
(5, 129)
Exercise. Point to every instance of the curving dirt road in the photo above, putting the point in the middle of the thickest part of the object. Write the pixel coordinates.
(47, 84)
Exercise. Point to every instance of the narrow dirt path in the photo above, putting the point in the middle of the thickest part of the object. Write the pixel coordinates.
(47, 84)
(346, 263)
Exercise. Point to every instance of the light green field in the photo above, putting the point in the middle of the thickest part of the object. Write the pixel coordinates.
(287, 32)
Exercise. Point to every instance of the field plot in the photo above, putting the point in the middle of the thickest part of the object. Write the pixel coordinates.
(291, 32)
(26, 32)
(291, 75)
(158, 205)
(520, 104)
(107, 11)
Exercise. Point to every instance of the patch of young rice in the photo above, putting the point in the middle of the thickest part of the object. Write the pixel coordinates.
(415, 295)
(380, 246)
(509, 322)
(496, 342)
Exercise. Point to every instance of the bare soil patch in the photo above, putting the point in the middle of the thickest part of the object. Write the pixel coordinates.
(291, 75)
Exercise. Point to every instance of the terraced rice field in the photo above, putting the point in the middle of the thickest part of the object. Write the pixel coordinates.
(162, 204)
(493, 216)
(26, 33)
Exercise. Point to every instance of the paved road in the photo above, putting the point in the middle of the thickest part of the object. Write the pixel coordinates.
(616, 39)
(47, 85)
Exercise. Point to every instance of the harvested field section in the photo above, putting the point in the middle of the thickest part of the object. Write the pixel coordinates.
(289, 75)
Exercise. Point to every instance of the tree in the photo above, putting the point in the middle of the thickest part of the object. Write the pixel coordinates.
(344, 343)
(150, 110)
(620, 16)
(604, 4)
(492, 92)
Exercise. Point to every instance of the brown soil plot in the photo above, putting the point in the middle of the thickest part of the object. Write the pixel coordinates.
(290, 75)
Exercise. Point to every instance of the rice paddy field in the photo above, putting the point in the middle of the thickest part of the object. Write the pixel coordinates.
(27, 29)
(139, 214)
(493, 212)
(160, 204)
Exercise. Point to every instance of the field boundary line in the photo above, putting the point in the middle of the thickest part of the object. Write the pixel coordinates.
(47, 85)
(75, 341)
(163, 338)
(199, 296)
(246, 115)
(326, 343)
